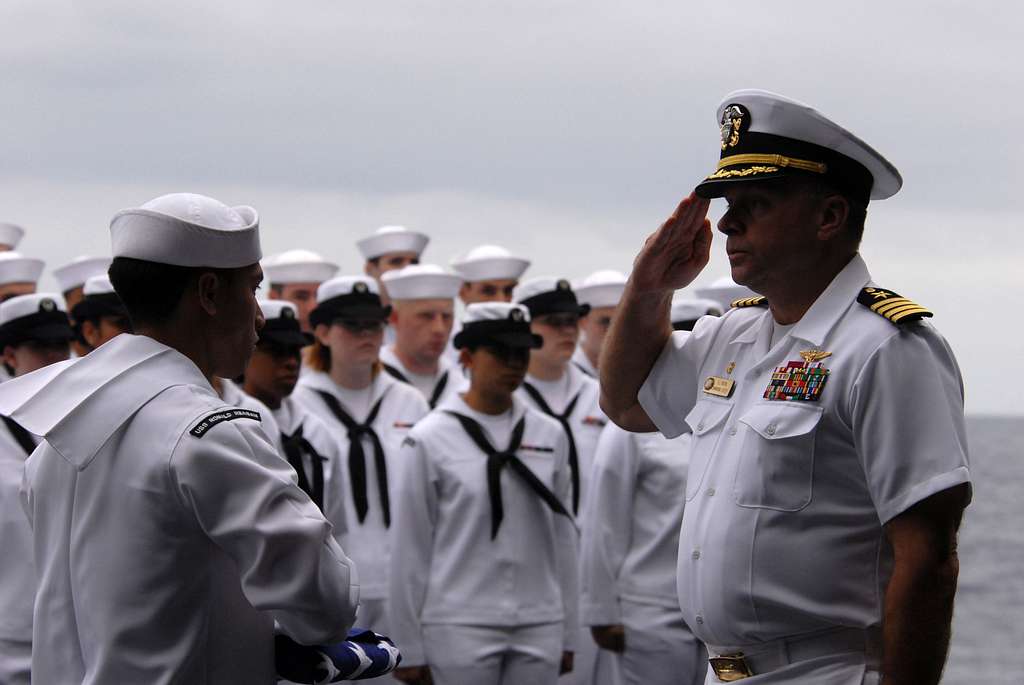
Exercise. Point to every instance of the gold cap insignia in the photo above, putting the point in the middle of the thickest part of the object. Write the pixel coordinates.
(516, 315)
(287, 313)
(47, 305)
(360, 288)
(562, 284)
(732, 122)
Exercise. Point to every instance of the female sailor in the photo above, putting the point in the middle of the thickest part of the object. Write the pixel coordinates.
(484, 569)
(369, 413)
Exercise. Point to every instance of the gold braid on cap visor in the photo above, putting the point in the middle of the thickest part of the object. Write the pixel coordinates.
(767, 164)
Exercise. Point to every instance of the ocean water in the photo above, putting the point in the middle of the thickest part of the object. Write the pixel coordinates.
(988, 621)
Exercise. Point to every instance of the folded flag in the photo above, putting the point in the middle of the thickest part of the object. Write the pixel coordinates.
(365, 654)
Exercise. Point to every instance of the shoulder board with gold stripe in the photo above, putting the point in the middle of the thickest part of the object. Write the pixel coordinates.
(759, 301)
(892, 306)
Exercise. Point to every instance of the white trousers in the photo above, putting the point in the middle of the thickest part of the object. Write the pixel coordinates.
(660, 649)
(493, 655)
(15, 662)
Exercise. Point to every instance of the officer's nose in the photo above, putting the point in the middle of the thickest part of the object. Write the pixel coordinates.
(728, 224)
(260, 320)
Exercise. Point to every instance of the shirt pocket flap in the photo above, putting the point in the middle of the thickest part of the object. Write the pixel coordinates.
(706, 415)
(777, 420)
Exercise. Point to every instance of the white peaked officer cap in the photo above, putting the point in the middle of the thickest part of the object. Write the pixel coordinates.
(75, 273)
(185, 229)
(686, 308)
(298, 266)
(389, 239)
(17, 268)
(11, 234)
(724, 291)
(601, 289)
(98, 285)
(489, 263)
(765, 135)
(421, 282)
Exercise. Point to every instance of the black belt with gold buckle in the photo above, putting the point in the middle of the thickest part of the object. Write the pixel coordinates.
(730, 667)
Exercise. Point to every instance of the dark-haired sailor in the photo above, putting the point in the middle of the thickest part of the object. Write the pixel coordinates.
(306, 441)
(483, 573)
(100, 315)
(34, 333)
(369, 413)
(828, 469)
(147, 485)
(600, 291)
(555, 386)
(423, 301)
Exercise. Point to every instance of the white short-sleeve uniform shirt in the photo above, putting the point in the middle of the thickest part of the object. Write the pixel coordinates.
(786, 499)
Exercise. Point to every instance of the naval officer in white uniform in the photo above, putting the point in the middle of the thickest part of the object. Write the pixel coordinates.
(555, 386)
(369, 413)
(294, 276)
(828, 468)
(601, 292)
(628, 551)
(169, 536)
(34, 332)
(483, 574)
(423, 300)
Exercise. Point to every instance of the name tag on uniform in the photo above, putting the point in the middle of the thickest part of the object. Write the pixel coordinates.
(718, 386)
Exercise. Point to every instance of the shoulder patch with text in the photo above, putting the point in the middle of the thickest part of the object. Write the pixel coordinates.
(211, 420)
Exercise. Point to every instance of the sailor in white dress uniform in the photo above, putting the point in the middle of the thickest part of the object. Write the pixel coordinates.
(423, 301)
(34, 333)
(628, 551)
(387, 249)
(484, 569)
(601, 292)
(828, 470)
(304, 439)
(169, 536)
(369, 413)
(555, 386)
(294, 275)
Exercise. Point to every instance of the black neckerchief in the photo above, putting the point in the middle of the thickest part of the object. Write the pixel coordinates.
(497, 460)
(295, 445)
(439, 387)
(357, 459)
(563, 418)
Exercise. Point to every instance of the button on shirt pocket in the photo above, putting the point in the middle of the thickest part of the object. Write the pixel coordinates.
(704, 421)
(776, 469)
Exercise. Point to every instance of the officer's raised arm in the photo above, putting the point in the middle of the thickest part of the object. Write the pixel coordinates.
(670, 259)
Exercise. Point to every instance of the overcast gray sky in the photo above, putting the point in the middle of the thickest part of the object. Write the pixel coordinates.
(565, 131)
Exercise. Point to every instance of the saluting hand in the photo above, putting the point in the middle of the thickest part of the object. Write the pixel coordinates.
(677, 252)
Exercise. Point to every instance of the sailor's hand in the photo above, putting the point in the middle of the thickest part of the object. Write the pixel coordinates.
(566, 666)
(677, 252)
(612, 638)
(414, 675)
